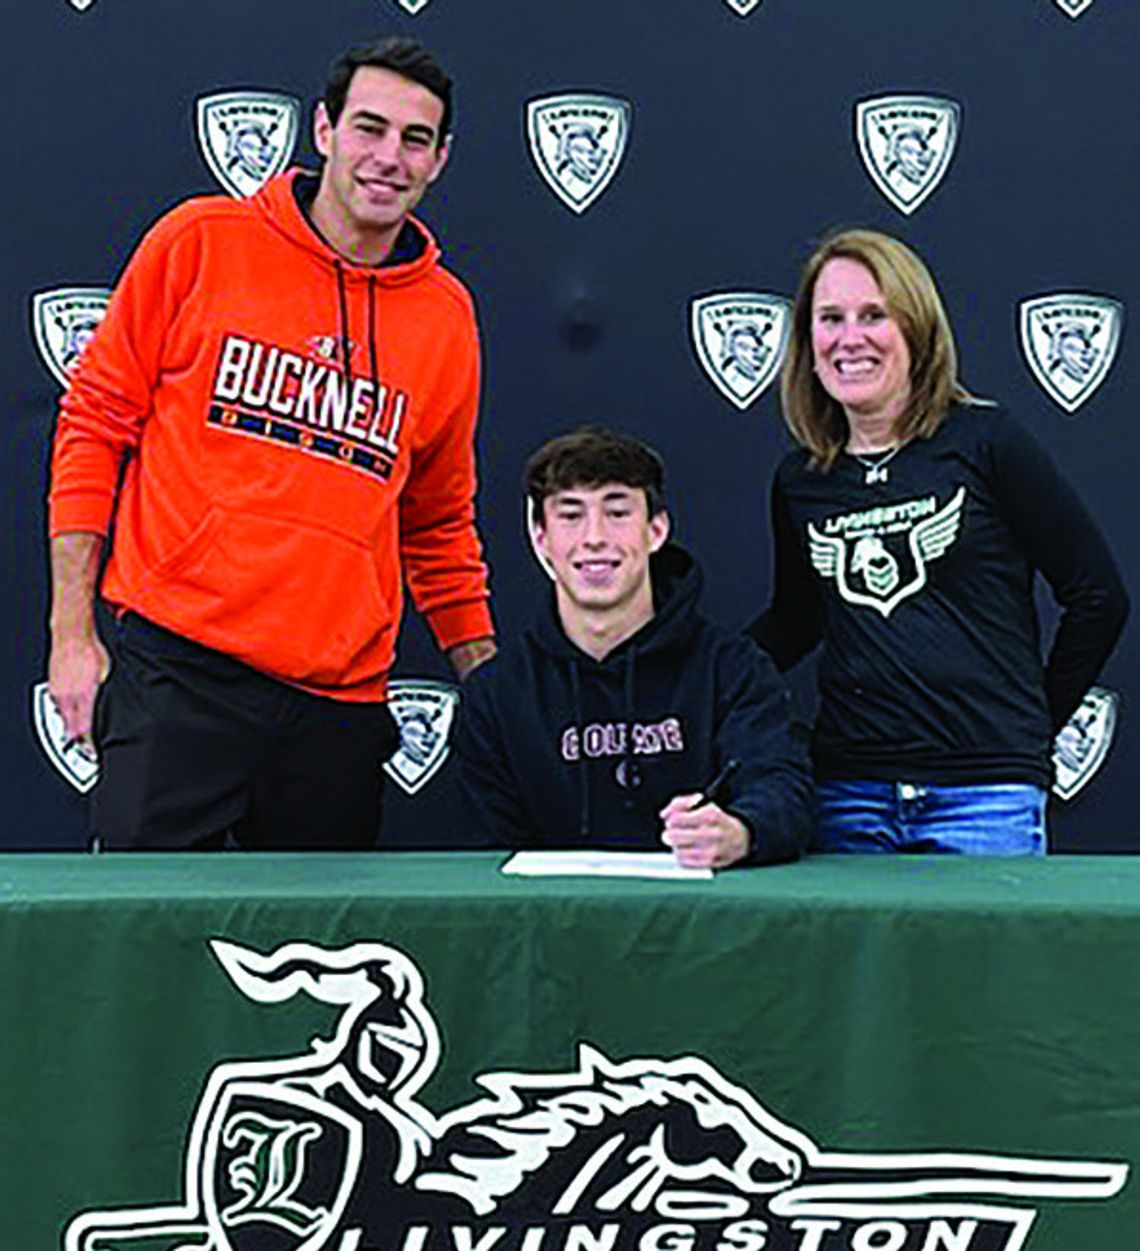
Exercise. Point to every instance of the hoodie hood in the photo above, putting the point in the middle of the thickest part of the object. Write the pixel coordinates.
(677, 583)
(414, 253)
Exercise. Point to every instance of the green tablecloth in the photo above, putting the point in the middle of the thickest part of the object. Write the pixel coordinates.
(820, 1055)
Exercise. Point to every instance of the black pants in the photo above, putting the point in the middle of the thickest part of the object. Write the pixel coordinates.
(198, 750)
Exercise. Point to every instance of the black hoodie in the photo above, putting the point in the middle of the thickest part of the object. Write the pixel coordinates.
(560, 750)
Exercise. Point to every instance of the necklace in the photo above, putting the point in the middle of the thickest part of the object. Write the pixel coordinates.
(876, 466)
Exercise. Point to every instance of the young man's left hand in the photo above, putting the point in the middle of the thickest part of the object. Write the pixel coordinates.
(704, 837)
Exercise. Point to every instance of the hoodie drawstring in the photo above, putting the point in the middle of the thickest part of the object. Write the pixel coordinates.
(345, 341)
(372, 338)
(583, 771)
(628, 767)
(345, 338)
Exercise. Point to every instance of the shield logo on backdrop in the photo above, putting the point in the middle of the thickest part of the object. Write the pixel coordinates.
(740, 338)
(1083, 741)
(906, 143)
(1074, 8)
(742, 7)
(577, 142)
(81, 5)
(63, 322)
(80, 769)
(247, 136)
(424, 711)
(412, 6)
(1070, 342)
(278, 1167)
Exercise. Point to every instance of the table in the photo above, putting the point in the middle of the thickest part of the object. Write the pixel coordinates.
(283, 1053)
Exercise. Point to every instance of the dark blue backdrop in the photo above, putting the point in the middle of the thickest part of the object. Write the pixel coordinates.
(741, 153)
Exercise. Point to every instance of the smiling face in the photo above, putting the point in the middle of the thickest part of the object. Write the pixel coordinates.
(597, 542)
(859, 351)
(380, 156)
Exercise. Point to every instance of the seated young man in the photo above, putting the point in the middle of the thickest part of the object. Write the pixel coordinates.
(607, 723)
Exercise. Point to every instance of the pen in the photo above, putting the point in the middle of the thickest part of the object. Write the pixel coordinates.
(710, 792)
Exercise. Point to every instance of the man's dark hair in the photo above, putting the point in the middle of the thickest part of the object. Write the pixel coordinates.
(402, 56)
(593, 456)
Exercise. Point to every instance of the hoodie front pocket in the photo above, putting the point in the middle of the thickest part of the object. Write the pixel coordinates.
(292, 599)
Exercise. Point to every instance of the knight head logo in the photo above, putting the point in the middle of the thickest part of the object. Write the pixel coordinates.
(740, 339)
(424, 712)
(906, 143)
(73, 762)
(63, 322)
(1072, 8)
(1083, 741)
(577, 143)
(247, 136)
(1070, 342)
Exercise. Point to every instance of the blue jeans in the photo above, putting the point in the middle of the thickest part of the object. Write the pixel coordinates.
(1002, 820)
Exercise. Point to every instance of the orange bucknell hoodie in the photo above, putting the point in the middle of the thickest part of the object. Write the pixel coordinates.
(297, 433)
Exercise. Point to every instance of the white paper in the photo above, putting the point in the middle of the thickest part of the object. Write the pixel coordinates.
(601, 864)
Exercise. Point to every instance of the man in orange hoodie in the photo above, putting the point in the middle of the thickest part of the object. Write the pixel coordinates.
(278, 412)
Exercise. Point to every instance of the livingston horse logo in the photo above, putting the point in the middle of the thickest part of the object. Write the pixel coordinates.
(333, 1150)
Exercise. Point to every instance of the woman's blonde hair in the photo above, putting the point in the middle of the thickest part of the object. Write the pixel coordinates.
(817, 421)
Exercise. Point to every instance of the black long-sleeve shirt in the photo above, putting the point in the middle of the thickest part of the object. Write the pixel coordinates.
(921, 589)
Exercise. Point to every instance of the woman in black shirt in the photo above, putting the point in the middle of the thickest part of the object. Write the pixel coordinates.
(909, 527)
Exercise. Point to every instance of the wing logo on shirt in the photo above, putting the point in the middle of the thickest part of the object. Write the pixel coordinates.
(862, 551)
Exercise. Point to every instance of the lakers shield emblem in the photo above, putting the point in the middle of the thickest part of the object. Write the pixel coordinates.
(424, 712)
(906, 143)
(1070, 342)
(63, 322)
(246, 137)
(1083, 742)
(278, 1167)
(74, 763)
(740, 338)
(1074, 8)
(577, 143)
